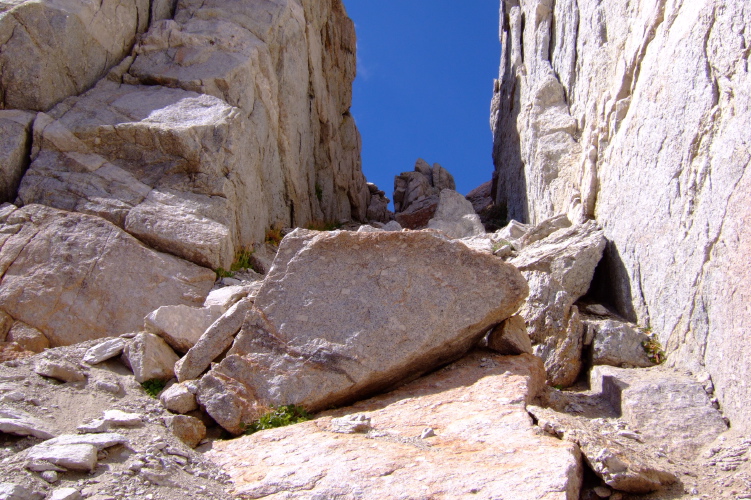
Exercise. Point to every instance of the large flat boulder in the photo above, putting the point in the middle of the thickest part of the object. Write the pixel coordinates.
(76, 277)
(343, 315)
(559, 269)
(53, 49)
(461, 432)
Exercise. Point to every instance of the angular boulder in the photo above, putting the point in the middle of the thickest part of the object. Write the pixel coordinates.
(50, 50)
(461, 432)
(76, 277)
(510, 337)
(616, 343)
(343, 315)
(559, 269)
(455, 216)
(181, 326)
(671, 410)
(150, 358)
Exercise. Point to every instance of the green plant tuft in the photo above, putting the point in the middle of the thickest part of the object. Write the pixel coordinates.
(274, 236)
(242, 260)
(652, 347)
(319, 192)
(153, 387)
(278, 417)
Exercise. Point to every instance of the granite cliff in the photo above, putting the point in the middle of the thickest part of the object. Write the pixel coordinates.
(636, 113)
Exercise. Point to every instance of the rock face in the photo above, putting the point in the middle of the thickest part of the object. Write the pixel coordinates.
(342, 315)
(482, 444)
(226, 121)
(577, 87)
(559, 270)
(417, 192)
(51, 49)
(76, 277)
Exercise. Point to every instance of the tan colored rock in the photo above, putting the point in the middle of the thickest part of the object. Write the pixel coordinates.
(510, 337)
(59, 369)
(150, 358)
(342, 315)
(28, 337)
(76, 277)
(15, 144)
(50, 50)
(104, 351)
(559, 270)
(673, 198)
(189, 430)
(483, 447)
(10, 351)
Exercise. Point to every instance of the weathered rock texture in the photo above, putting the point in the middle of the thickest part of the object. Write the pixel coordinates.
(343, 315)
(15, 144)
(52, 49)
(230, 119)
(76, 277)
(642, 124)
(478, 443)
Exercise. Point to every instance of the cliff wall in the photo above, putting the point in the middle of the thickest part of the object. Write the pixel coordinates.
(637, 113)
(221, 120)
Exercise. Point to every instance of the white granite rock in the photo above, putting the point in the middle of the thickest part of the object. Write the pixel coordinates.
(59, 369)
(66, 494)
(577, 87)
(20, 423)
(104, 351)
(10, 491)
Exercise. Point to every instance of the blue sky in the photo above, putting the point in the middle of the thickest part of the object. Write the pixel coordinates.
(424, 85)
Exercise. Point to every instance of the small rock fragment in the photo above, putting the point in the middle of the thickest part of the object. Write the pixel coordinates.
(118, 418)
(351, 424)
(178, 398)
(20, 423)
(60, 369)
(104, 351)
(50, 476)
(188, 429)
(181, 326)
(427, 433)
(602, 492)
(597, 310)
(66, 494)
(78, 457)
(111, 386)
